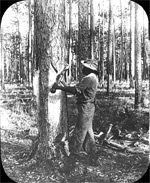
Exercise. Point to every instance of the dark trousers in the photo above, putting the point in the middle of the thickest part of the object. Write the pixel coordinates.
(83, 137)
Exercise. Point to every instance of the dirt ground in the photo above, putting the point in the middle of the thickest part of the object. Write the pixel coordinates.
(130, 129)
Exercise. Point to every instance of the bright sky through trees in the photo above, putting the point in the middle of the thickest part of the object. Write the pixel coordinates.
(9, 15)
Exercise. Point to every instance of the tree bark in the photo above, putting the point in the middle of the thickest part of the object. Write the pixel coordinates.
(138, 71)
(69, 43)
(35, 63)
(91, 30)
(121, 44)
(83, 35)
(2, 61)
(50, 48)
(147, 48)
(102, 51)
(109, 54)
(114, 52)
(145, 66)
(126, 46)
(132, 44)
(20, 54)
(29, 45)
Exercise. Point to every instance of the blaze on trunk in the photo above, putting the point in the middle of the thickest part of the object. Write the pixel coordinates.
(50, 48)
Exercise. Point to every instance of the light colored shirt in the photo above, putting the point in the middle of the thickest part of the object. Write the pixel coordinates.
(87, 88)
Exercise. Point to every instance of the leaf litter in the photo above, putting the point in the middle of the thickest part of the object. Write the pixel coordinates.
(130, 128)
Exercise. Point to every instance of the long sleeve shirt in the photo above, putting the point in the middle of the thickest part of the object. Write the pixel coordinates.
(87, 88)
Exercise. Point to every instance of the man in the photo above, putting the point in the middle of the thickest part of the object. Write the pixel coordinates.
(83, 137)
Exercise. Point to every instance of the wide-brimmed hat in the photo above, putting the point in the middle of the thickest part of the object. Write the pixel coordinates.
(91, 64)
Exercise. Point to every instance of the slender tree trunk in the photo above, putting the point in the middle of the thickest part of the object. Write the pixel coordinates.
(126, 45)
(109, 54)
(127, 64)
(20, 49)
(2, 61)
(32, 44)
(132, 44)
(69, 43)
(121, 44)
(99, 45)
(29, 45)
(138, 71)
(50, 49)
(35, 64)
(127, 61)
(147, 48)
(91, 30)
(114, 52)
(102, 50)
(145, 67)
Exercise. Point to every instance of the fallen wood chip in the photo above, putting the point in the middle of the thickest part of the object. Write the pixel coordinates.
(116, 144)
(100, 134)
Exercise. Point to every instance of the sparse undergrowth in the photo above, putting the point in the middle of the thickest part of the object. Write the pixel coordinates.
(115, 165)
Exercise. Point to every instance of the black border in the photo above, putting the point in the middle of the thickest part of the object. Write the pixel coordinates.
(4, 5)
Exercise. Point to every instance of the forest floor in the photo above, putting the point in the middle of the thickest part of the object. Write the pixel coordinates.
(116, 165)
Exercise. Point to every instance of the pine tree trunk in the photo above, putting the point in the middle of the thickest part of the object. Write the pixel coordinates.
(50, 48)
(91, 29)
(69, 44)
(35, 63)
(83, 35)
(29, 46)
(20, 57)
(132, 44)
(109, 54)
(99, 45)
(102, 51)
(114, 52)
(145, 67)
(138, 71)
(147, 48)
(2, 61)
(121, 44)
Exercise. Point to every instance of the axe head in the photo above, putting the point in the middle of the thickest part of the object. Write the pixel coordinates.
(62, 71)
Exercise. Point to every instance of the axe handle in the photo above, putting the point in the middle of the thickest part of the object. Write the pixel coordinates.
(59, 76)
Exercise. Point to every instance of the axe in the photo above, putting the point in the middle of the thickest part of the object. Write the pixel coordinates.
(59, 76)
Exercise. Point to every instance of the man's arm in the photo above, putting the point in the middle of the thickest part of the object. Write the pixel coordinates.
(70, 89)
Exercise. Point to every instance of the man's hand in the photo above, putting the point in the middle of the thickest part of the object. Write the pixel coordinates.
(63, 88)
(55, 86)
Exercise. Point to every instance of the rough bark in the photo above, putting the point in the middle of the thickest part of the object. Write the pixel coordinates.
(109, 54)
(102, 49)
(29, 46)
(35, 63)
(132, 44)
(121, 44)
(20, 57)
(147, 48)
(2, 61)
(138, 71)
(91, 29)
(99, 44)
(69, 43)
(114, 52)
(83, 35)
(145, 66)
(50, 47)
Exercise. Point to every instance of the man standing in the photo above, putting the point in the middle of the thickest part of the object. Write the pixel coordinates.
(85, 91)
